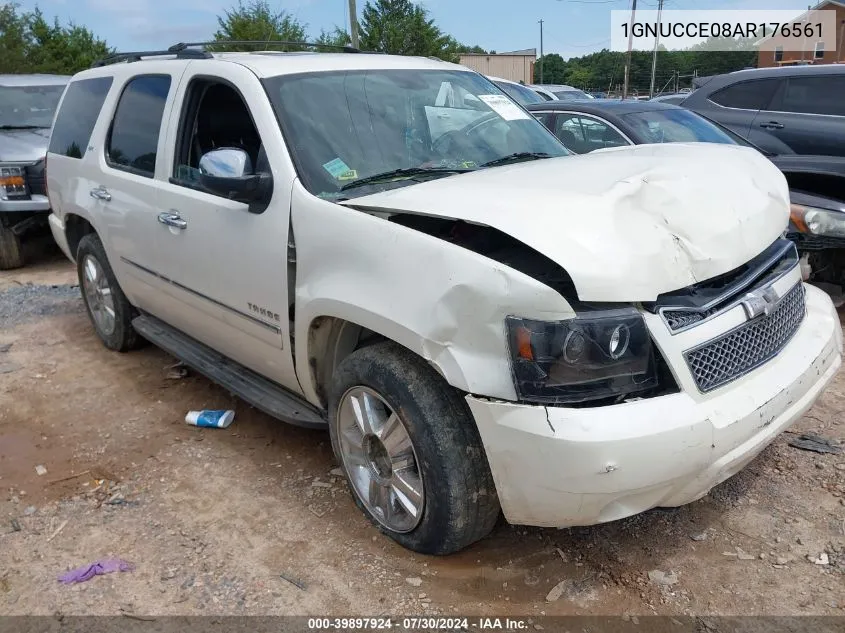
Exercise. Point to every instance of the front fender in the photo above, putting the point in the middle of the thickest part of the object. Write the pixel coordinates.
(443, 302)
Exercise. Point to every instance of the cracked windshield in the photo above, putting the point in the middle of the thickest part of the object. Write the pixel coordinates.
(396, 128)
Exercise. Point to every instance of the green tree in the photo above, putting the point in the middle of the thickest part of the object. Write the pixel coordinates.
(31, 44)
(256, 20)
(334, 38)
(402, 27)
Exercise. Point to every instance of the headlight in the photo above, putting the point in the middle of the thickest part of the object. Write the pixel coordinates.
(594, 356)
(12, 182)
(817, 221)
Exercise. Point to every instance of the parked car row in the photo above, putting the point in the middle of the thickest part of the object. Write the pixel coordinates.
(483, 321)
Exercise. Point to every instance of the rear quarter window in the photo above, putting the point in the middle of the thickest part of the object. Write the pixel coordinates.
(78, 116)
(813, 95)
(746, 95)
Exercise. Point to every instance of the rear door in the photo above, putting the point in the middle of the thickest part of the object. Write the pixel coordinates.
(124, 193)
(807, 114)
(736, 105)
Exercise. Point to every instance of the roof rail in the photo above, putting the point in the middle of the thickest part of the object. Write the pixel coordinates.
(185, 46)
(138, 55)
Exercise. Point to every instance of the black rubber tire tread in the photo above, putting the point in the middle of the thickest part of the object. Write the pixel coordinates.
(124, 337)
(461, 505)
(11, 251)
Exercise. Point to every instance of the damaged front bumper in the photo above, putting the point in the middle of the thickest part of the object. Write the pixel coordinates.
(556, 466)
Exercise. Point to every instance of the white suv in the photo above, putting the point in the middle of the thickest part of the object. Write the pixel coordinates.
(392, 249)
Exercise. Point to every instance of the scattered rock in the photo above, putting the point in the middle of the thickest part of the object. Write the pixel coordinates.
(30, 510)
(840, 466)
(336, 472)
(701, 536)
(782, 560)
(664, 579)
(556, 591)
(414, 581)
(320, 484)
(16, 527)
(40, 470)
(168, 575)
(5, 347)
(423, 595)
(743, 555)
(822, 559)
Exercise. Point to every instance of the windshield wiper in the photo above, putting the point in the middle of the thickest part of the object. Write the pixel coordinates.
(407, 172)
(22, 127)
(514, 158)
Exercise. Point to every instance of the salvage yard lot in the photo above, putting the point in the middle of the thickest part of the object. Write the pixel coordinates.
(251, 520)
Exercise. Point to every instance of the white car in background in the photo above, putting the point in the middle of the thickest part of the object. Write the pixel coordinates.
(560, 92)
(520, 93)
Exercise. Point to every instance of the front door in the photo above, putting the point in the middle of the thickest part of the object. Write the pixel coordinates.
(227, 267)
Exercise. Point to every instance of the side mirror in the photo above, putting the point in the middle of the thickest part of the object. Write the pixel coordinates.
(228, 173)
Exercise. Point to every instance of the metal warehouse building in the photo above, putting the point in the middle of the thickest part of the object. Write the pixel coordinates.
(516, 65)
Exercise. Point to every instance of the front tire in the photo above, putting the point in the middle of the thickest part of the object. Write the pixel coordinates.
(108, 308)
(411, 451)
(11, 250)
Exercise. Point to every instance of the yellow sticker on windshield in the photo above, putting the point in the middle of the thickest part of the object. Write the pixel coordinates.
(469, 164)
(348, 175)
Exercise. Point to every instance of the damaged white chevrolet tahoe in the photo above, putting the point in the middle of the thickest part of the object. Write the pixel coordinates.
(391, 248)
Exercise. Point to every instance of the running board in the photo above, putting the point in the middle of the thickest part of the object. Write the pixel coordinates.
(263, 394)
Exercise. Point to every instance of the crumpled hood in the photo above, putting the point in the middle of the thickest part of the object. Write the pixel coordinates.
(627, 224)
(23, 146)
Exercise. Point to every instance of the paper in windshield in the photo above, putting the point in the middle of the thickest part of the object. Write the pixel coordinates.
(504, 107)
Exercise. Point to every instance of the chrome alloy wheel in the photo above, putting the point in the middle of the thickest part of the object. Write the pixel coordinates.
(98, 295)
(379, 457)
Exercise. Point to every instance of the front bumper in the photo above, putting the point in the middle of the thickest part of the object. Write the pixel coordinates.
(556, 466)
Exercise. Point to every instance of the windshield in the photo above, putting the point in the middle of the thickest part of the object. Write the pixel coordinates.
(520, 94)
(676, 126)
(571, 95)
(28, 106)
(348, 126)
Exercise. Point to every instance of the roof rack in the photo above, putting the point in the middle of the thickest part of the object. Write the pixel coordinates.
(190, 50)
(184, 46)
(138, 55)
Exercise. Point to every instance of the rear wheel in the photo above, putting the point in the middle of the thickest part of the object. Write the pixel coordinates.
(11, 252)
(411, 451)
(107, 306)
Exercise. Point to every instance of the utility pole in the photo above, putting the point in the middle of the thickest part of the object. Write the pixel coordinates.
(542, 61)
(656, 43)
(353, 23)
(630, 45)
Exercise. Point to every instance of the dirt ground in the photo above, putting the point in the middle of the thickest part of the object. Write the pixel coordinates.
(250, 520)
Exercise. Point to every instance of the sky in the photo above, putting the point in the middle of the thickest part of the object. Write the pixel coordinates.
(571, 27)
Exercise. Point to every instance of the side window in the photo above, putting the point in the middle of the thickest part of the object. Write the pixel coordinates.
(818, 53)
(778, 54)
(546, 118)
(813, 95)
(78, 116)
(746, 95)
(133, 139)
(214, 116)
(584, 134)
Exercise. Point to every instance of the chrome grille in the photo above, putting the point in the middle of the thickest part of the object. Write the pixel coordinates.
(748, 346)
(682, 319)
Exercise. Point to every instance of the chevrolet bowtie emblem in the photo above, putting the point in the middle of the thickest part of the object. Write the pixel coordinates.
(760, 302)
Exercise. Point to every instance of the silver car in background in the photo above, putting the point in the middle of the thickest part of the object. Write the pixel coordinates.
(27, 106)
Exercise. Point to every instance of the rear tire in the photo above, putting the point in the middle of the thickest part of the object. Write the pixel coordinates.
(437, 467)
(11, 252)
(108, 308)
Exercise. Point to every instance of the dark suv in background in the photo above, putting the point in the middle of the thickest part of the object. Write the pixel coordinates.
(795, 109)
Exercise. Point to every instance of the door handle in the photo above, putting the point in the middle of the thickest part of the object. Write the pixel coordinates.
(100, 193)
(172, 219)
(772, 125)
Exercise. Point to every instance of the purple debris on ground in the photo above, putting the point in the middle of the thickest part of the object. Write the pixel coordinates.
(98, 568)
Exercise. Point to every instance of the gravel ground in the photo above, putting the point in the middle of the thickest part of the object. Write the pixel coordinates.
(254, 519)
(21, 304)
